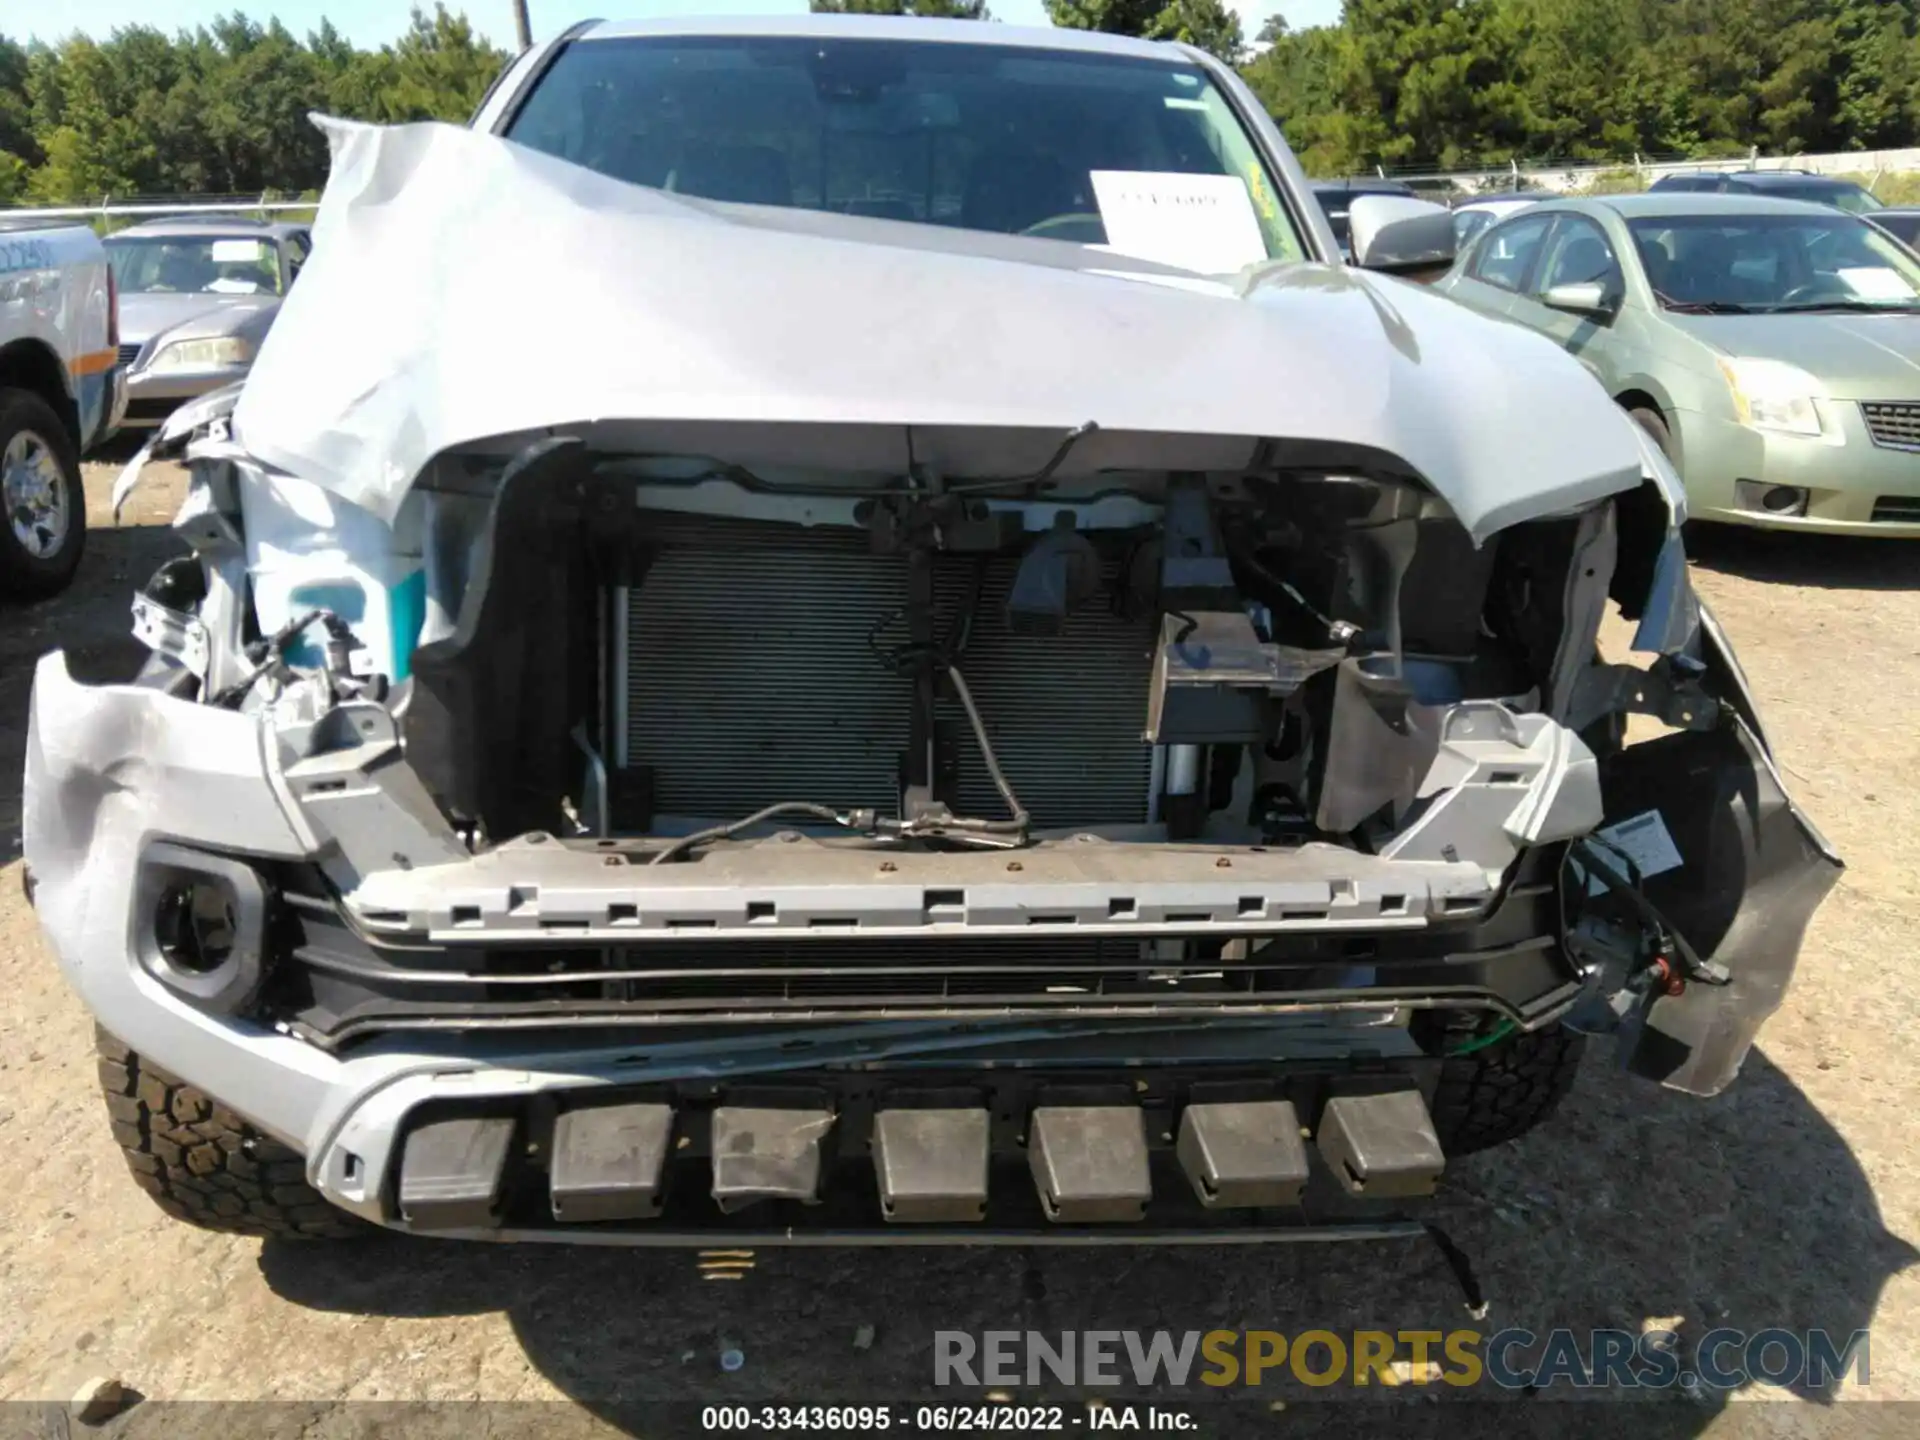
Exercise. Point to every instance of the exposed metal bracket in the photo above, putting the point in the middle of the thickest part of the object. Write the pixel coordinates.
(1661, 690)
(172, 633)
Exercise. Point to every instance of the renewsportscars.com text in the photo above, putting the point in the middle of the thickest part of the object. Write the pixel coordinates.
(1514, 1359)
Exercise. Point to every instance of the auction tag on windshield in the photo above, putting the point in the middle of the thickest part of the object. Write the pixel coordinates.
(237, 252)
(1643, 839)
(1203, 223)
(1877, 282)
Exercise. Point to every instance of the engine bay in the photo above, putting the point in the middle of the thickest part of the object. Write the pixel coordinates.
(1242, 658)
(670, 740)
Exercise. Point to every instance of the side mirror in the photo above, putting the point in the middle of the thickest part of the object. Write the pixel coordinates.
(1590, 298)
(1398, 232)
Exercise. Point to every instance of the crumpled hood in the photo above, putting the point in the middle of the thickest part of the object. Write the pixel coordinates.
(1857, 357)
(145, 314)
(463, 287)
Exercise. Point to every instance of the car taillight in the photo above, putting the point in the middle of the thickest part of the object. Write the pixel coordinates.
(113, 311)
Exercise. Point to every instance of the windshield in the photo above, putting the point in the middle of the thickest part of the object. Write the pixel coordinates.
(1144, 156)
(1469, 223)
(195, 264)
(1754, 263)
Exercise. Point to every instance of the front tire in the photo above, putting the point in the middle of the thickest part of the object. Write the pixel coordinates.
(203, 1164)
(1655, 424)
(1500, 1090)
(43, 504)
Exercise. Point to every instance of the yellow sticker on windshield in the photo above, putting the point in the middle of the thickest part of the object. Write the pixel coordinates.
(1257, 188)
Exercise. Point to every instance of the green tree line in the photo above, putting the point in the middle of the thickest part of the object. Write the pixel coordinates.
(1453, 83)
(1446, 83)
(1459, 83)
(217, 110)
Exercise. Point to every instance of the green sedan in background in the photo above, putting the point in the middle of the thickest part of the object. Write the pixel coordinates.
(1771, 347)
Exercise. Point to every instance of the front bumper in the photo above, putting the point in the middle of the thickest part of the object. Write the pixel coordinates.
(153, 395)
(1853, 488)
(117, 774)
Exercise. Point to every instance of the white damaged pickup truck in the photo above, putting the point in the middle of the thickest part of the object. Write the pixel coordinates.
(837, 631)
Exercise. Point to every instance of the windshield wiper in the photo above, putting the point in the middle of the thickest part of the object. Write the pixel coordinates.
(1851, 307)
(1707, 307)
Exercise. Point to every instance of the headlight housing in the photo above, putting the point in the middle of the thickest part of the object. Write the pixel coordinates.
(216, 353)
(1773, 395)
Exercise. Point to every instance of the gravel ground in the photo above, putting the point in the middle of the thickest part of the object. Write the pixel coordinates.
(1786, 1202)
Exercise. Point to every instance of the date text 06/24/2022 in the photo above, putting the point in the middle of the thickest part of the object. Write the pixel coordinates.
(965, 1419)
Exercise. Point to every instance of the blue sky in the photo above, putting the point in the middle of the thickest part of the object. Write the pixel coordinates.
(372, 22)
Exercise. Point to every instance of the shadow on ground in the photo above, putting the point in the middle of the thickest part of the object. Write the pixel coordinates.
(90, 620)
(1747, 1211)
(1827, 562)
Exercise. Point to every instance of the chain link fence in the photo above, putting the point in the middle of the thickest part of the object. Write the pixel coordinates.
(1636, 172)
(113, 212)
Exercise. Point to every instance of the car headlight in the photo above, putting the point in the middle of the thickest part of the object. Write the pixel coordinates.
(1773, 395)
(214, 354)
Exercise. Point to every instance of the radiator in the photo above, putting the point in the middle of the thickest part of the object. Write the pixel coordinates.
(751, 680)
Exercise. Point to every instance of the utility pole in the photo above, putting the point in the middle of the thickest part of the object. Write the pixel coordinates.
(522, 26)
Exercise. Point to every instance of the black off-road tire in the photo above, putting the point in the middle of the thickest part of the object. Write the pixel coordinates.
(23, 574)
(1495, 1094)
(203, 1164)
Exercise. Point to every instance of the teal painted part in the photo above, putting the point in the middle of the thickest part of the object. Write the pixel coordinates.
(343, 597)
(407, 608)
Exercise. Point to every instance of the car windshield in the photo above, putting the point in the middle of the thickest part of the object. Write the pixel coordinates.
(1469, 223)
(195, 264)
(1144, 156)
(1769, 263)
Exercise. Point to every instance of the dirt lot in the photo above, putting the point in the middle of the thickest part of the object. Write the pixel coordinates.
(1790, 1201)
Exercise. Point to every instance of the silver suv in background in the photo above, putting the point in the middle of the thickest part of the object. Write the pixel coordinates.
(62, 392)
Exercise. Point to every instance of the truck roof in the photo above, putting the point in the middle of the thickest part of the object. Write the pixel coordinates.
(891, 27)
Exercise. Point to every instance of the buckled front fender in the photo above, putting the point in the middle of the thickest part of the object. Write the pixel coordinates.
(1754, 869)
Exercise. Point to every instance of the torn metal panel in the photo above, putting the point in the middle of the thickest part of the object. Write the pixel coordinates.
(756, 317)
(1670, 622)
(200, 419)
